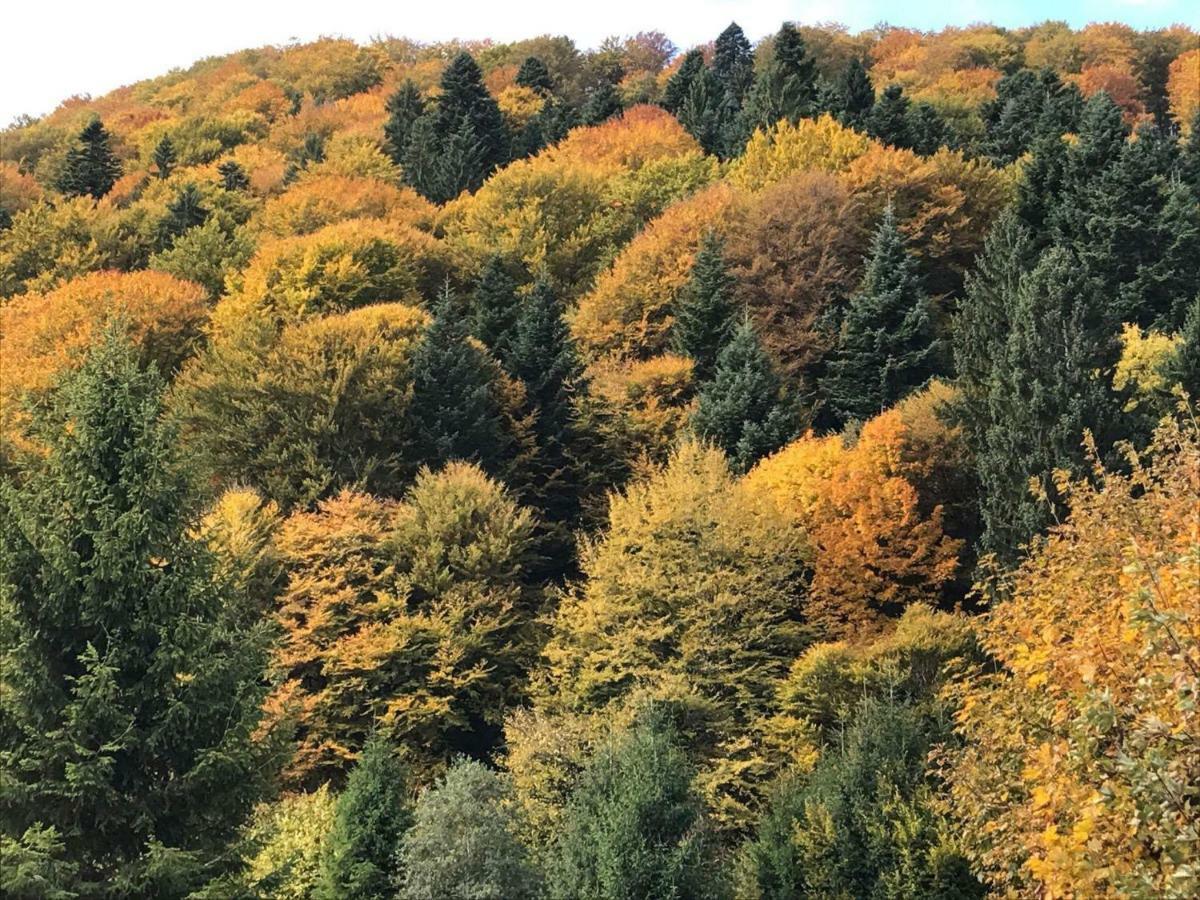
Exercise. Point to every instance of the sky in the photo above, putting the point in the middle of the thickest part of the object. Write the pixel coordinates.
(56, 49)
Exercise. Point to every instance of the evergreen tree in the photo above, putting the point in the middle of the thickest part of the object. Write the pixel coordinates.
(164, 157)
(886, 347)
(1043, 181)
(404, 107)
(857, 96)
(888, 121)
(1189, 156)
(186, 211)
(704, 313)
(786, 88)
(456, 410)
(233, 176)
(743, 409)
(733, 73)
(679, 86)
(702, 109)
(372, 815)
(546, 127)
(133, 676)
(494, 307)
(91, 167)
(928, 132)
(1102, 135)
(633, 826)
(1027, 103)
(602, 103)
(1184, 368)
(534, 75)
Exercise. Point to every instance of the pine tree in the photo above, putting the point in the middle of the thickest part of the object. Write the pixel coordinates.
(733, 73)
(404, 107)
(888, 121)
(133, 680)
(1043, 182)
(857, 96)
(886, 347)
(744, 409)
(456, 411)
(786, 88)
(1027, 103)
(603, 103)
(186, 211)
(373, 813)
(164, 157)
(701, 112)
(679, 85)
(704, 313)
(233, 176)
(632, 825)
(91, 167)
(534, 75)
(928, 132)
(494, 307)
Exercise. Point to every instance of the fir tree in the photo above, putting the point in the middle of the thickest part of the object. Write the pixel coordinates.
(1043, 181)
(456, 411)
(1184, 368)
(233, 176)
(164, 157)
(704, 313)
(372, 815)
(632, 825)
(786, 88)
(186, 211)
(701, 111)
(928, 132)
(534, 75)
(744, 409)
(733, 75)
(1027, 103)
(679, 85)
(888, 121)
(91, 167)
(133, 674)
(494, 307)
(404, 107)
(857, 95)
(886, 347)
(603, 103)
(1189, 156)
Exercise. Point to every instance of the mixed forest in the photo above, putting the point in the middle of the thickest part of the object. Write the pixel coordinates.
(485, 470)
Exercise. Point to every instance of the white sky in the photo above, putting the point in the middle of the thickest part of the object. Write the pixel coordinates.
(53, 49)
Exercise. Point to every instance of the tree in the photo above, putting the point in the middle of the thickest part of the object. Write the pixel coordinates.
(633, 826)
(704, 312)
(233, 176)
(888, 121)
(732, 77)
(372, 815)
(602, 103)
(133, 678)
(928, 131)
(90, 167)
(743, 409)
(164, 157)
(185, 212)
(404, 107)
(886, 347)
(494, 306)
(786, 87)
(457, 410)
(533, 74)
(1027, 104)
(463, 842)
(856, 96)
(679, 85)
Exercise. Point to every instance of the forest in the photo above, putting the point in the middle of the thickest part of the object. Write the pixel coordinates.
(513, 470)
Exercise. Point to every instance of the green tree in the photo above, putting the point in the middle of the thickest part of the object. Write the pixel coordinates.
(372, 815)
(494, 306)
(91, 167)
(701, 110)
(704, 312)
(534, 75)
(856, 95)
(679, 85)
(1027, 104)
(888, 121)
(744, 409)
(927, 130)
(184, 212)
(633, 825)
(733, 74)
(164, 157)
(462, 842)
(886, 347)
(233, 176)
(404, 107)
(786, 88)
(602, 103)
(133, 678)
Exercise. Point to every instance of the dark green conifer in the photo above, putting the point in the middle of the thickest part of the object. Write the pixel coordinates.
(888, 121)
(233, 176)
(704, 312)
(91, 167)
(186, 211)
(602, 103)
(786, 88)
(534, 75)
(679, 85)
(164, 157)
(404, 107)
(857, 96)
(928, 131)
(494, 307)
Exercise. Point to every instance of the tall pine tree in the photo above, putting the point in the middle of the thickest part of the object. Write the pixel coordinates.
(888, 121)
(704, 312)
(534, 75)
(857, 95)
(164, 157)
(733, 74)
(133, 676)
(91, 167)
(786, 88)
(404, 107)
(494, 307)
(679, 85)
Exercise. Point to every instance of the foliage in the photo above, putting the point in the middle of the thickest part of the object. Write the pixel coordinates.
(288, 839)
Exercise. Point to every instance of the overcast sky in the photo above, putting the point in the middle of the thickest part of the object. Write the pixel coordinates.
(55, 49)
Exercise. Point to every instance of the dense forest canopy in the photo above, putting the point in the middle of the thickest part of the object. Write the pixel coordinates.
(510, 470)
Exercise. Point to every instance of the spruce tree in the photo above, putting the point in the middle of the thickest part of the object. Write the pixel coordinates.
(1184, 368)
(701, 111)
(743, 409)
(164, 157)
(456, 411)
(1189, 156)
(786, 88)
(602, 103)
(186, 211)
(886, 347)
(534, 75)
(733, 63)
(404, 107)
(679, 85)
(1042, 185)
(133, 681)
(546, 127)
(632, 827)
(373, 813)
(928, 132)
(1027, 103)
(704, 312)
(494, 307)
(233, 176)
(857, 95)
(91, 168)
(888, 121)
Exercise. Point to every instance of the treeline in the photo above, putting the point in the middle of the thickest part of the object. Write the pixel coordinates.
(505, 471)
